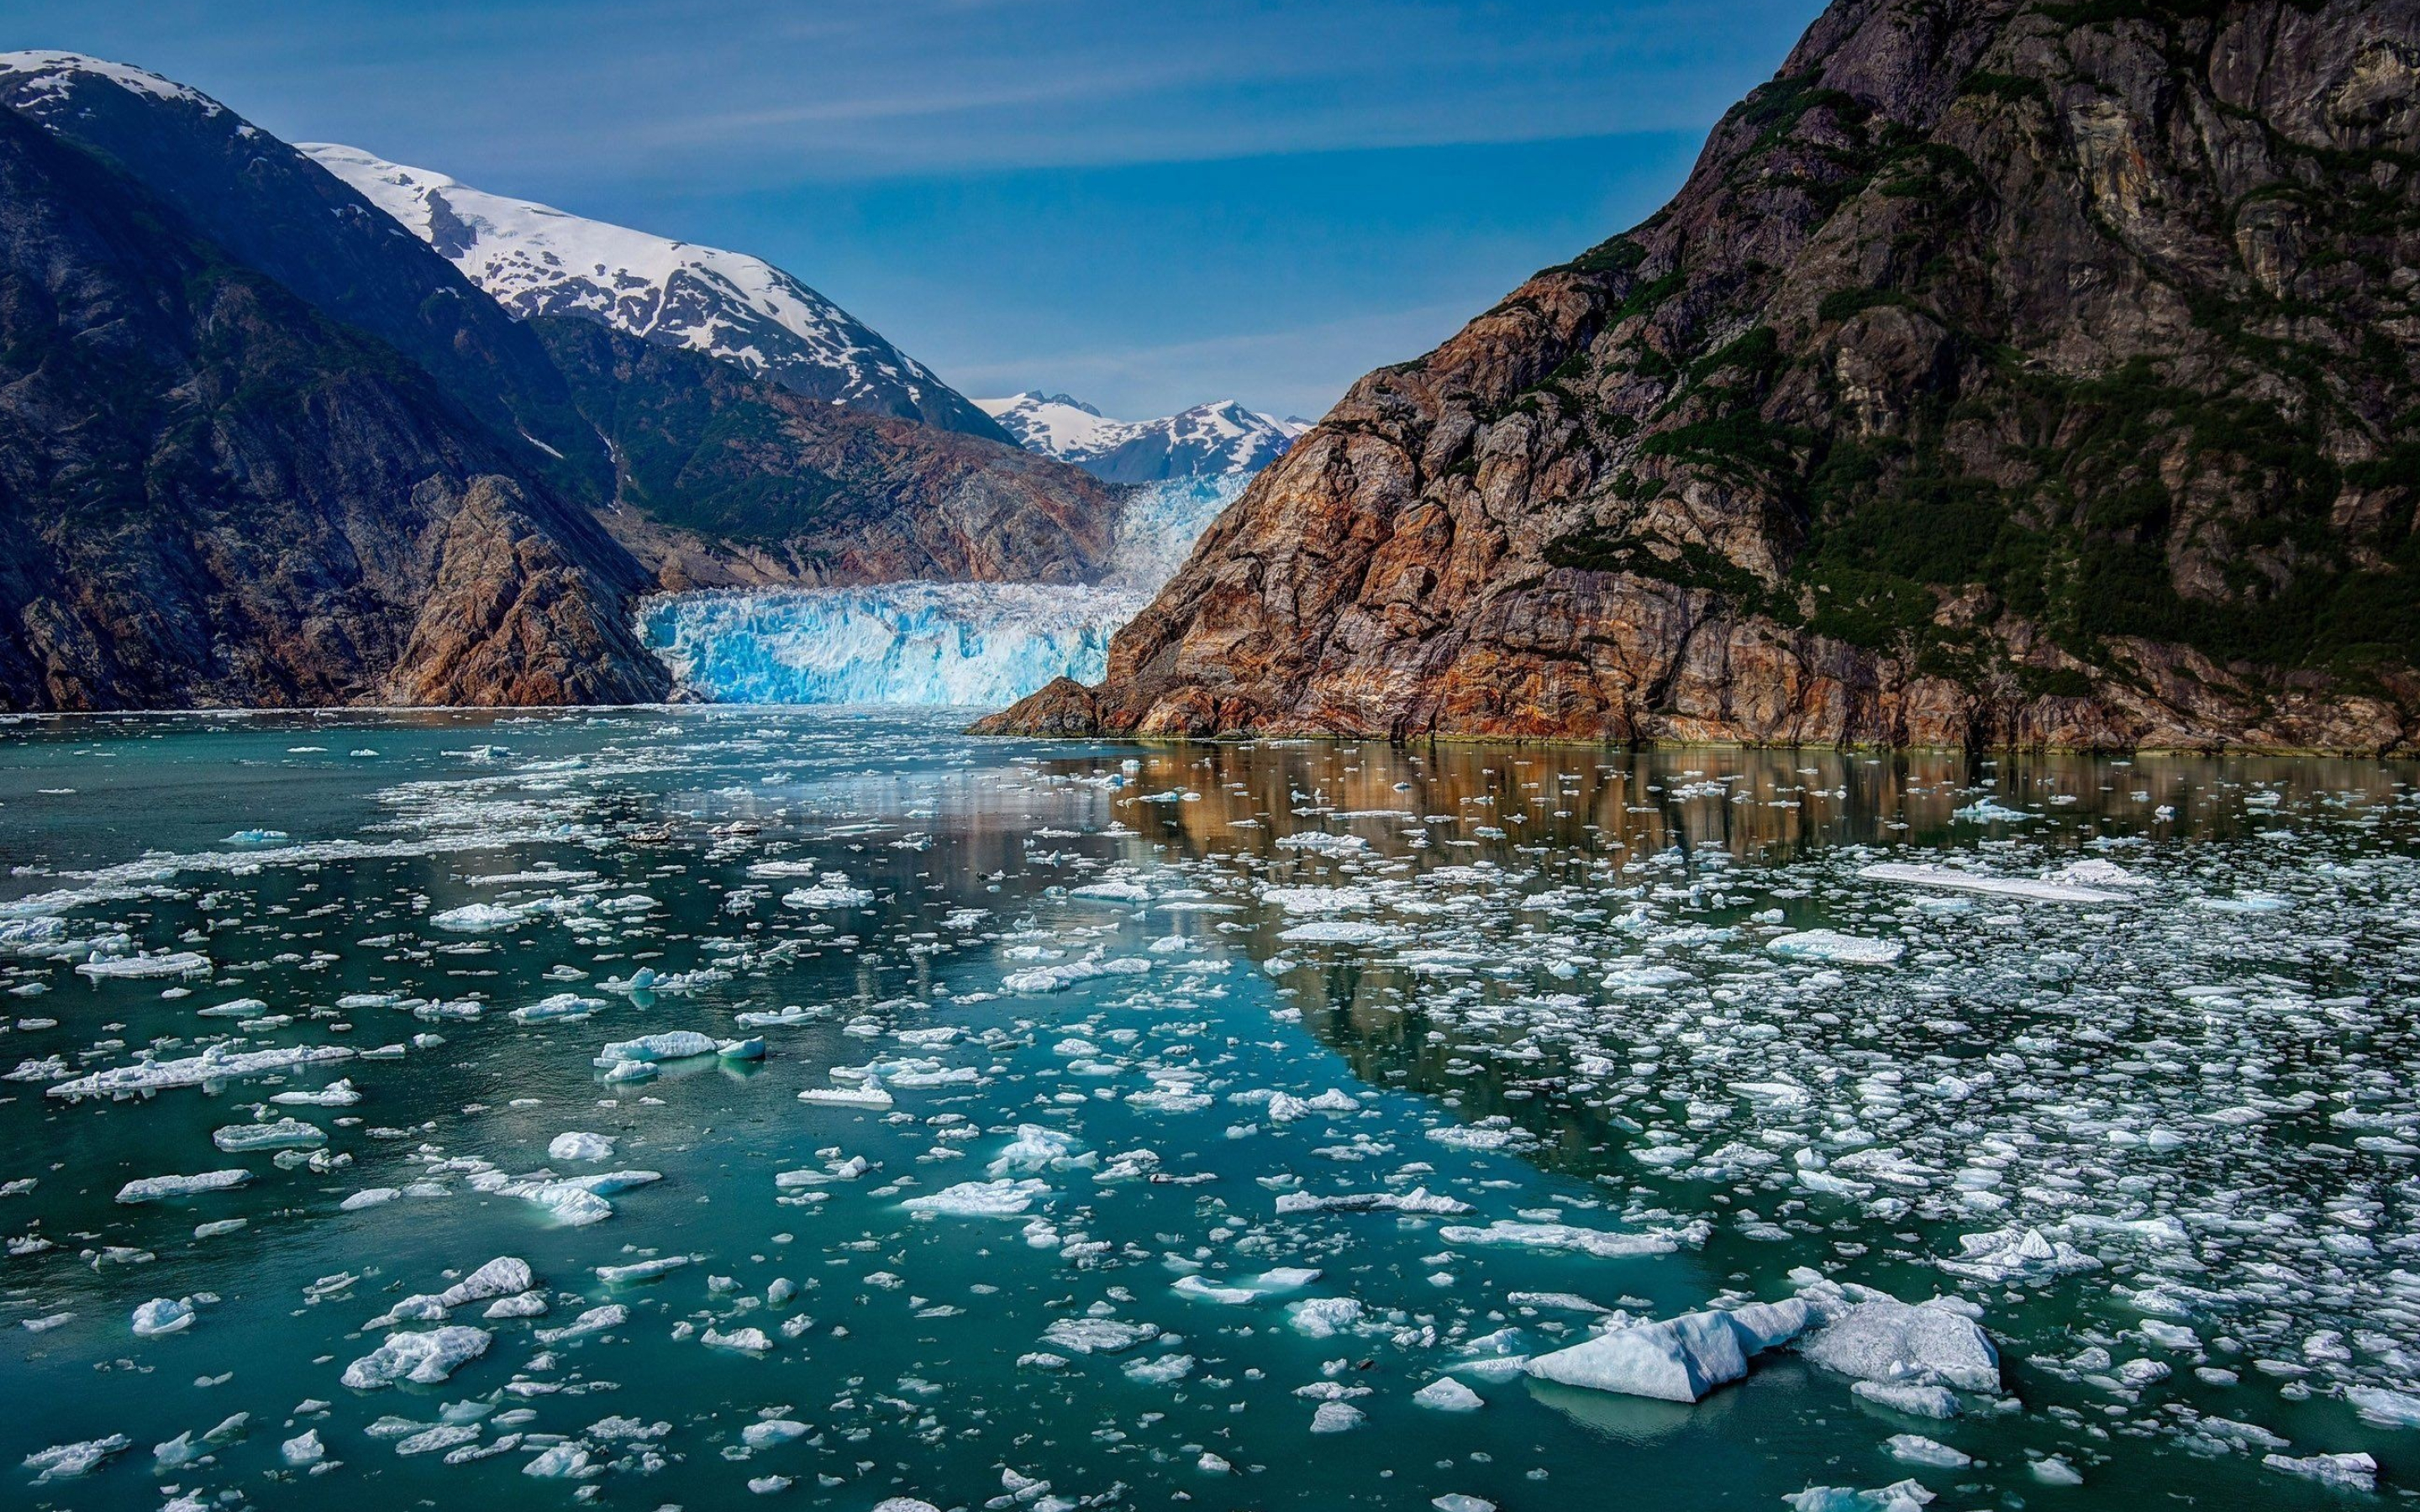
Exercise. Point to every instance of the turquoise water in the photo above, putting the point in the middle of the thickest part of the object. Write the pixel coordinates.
(1554, 987)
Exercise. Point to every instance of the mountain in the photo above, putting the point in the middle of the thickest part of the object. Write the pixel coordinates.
(260, 445)
(536, 260)
(729, 480)
(271, 210)
(211, 492)
(1209, 439)
(2006, 372)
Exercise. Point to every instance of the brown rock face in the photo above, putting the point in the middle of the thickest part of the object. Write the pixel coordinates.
(2006, 372)
(510, 618)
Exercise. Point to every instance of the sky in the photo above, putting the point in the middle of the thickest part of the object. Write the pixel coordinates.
(1145, 203)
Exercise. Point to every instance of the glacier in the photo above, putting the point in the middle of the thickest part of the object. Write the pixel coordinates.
(975, 645)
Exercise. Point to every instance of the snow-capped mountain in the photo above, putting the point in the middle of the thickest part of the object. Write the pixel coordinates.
(1223, 438)
(536, 260)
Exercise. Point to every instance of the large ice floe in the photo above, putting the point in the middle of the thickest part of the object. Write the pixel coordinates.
(900, 1120)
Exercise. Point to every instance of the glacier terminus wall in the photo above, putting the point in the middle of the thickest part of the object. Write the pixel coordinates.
(975, 645)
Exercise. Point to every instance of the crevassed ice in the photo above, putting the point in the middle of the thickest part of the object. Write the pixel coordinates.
(961, 644)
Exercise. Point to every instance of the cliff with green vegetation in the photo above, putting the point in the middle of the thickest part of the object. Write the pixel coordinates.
(2007, 372)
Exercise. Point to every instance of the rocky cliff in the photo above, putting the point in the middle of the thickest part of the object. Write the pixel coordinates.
(2007, 372)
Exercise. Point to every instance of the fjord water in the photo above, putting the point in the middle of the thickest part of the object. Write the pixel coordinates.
(1217, 981)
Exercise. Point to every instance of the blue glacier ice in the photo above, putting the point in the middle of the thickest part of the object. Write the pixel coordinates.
(967, 645)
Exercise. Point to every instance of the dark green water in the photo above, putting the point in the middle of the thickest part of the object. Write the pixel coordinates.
(2197, 1090)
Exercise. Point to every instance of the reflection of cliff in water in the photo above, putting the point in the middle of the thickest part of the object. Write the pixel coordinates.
(1662, 824)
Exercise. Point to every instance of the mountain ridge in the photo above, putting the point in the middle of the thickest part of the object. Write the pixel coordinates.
(534, 259)
(1219, 437)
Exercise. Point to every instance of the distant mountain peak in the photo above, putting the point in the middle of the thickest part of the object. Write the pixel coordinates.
(536, 260)
(1222, 438)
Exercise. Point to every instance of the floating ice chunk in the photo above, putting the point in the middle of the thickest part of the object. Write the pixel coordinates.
(2243, 903)
(169, 964)
(738, 1341)
(568, 1203)
(1914, 1400)
(475, 919)
(775, 1018)
(423, 1358)
(168, 1188)
(1097, 1336)
(216, 1064)
(1418, 1200)
(1447, 1394)
(1066, 974)
(163, 1315)
(1163, 1371)
(1916, 1449)
(560, 1461)
(560, 1007)
(1035, 1148)
(770, 1431)
(2092, 871)
(1986, 810)
(255, 836)
(503, 1276)
(868, 1096)
(1955, 880)
(904, 1503)
(1341, 932)
(1594, 1241)
(2005, 1254)
(1677, 1359)
(580, 1146)
(445, 1435)
(1887, 1341)
(1004, 1198)
(1336, 1417)
(1322, 842)
(1322, 1318)
(1907, 1496)
(831, 890)
(304, 1448)
(751, 1048)
(1267, 1284)
(640, 1270)
(676, 1044)
(337, 1094)
(2344, 1471)
(595, 1321)
(284, 1134)
(65, 1461)
(1834, 947)
(369, 1197)
(2386, 1409)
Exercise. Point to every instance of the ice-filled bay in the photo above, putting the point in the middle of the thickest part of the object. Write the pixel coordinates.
(1232, 1123)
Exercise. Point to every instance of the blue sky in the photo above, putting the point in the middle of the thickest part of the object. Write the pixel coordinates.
(1147, 204)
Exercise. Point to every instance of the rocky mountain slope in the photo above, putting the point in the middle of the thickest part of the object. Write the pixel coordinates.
(2007, 372)
(1218, 439)
(729, 480)
(535, 260)
(273, 211)
(212, 493)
